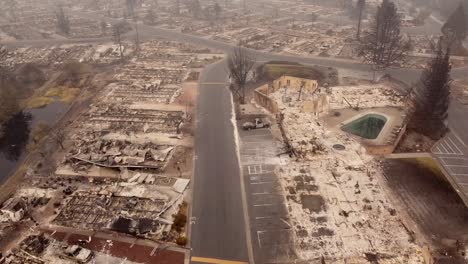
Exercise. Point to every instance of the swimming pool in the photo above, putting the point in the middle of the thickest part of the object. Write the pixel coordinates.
(368, 126)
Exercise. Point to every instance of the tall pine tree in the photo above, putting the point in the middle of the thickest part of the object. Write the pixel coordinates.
(455, 29)
(431, 96)
(383, 45)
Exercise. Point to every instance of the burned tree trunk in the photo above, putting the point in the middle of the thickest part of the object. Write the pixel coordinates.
(360, 5)
(117, 31)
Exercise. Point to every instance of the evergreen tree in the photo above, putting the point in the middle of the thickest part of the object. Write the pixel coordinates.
(383, 45)
(431, 96)
(455, 29)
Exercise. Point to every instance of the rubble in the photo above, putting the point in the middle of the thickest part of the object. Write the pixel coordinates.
(117, 154)
(339, 208)
(102, 210)
(13, 210)
(41, 248)
(123, 162)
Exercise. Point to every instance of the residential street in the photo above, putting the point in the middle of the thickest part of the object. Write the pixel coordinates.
(218, 229)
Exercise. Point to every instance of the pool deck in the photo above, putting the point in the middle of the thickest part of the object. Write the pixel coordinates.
(393, 115)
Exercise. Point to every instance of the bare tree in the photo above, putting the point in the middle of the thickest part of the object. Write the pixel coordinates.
(137, 33)
(12, 5)
(117, 31)
(431, 97)
(150, 17)
(63, 23)
(383, 45)
(131, 7)
(59, 137)
(360, 6)
(217, 10)
(303, 83)
(177, 7)
(195, 8)
(9, 99)
(240, 64)
(103, 27)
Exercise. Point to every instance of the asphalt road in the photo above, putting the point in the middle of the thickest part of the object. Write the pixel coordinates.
(218, 229)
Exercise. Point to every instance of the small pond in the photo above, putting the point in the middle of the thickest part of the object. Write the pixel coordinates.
(16, 134)
(368, 126)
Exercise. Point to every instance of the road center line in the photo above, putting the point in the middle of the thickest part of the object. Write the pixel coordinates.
(262, 217)
(216, 261)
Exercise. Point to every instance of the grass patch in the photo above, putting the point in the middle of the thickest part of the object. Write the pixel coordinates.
(275, 69)
(64, 94)
(38, 102)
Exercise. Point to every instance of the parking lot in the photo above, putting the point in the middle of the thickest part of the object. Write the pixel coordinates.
(452, 154)
(271, 232)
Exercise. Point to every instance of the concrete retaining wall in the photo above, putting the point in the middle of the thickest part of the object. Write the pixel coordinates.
(261, 97)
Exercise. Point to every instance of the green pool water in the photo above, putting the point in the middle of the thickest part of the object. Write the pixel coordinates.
(368, 126)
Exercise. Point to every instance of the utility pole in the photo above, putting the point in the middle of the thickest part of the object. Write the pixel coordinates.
(137, 37)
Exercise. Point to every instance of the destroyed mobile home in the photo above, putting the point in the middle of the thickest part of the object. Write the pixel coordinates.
(42, 248)
(125, 211)
(123, 164)
(118, 154)
(111, 134)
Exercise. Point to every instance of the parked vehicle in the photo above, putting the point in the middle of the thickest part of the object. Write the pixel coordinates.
(78, 254)
(258, 123)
